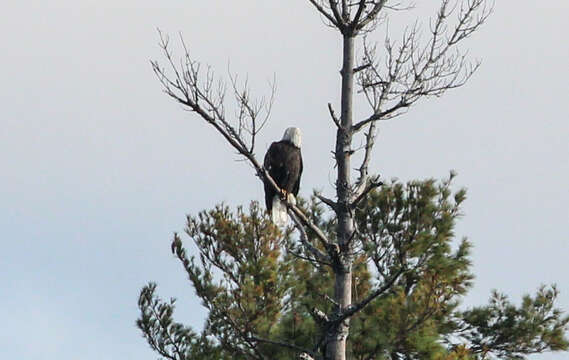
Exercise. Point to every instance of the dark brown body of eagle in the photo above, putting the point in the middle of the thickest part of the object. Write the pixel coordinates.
(283, 161)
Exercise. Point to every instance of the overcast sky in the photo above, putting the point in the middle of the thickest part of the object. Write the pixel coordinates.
(99, 167)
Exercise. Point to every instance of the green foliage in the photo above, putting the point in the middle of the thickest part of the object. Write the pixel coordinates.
(243, 252)
(261, 286)
(409, 228)
(510, 332)
(170, 339)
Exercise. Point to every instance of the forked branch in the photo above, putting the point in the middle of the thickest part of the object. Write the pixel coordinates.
(352, 310)
(371, 185)
(186, 84)
(197, 90)
(412, 71)
(351, 17)
(329, 9)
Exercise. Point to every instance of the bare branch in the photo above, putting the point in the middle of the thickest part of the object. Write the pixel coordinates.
(248, 110)
(187, 87)
(320, 316)
(319, 256)
(359, 12)
(334, 117)
(308, 258)
(384, 115)
(332, 301)
(285, 345)
(371, 15)
(330, 17)
(336, 11)
(331, 203)
(323, 239)
(370, 140)
(371, 185)
(412, 71)
(350, 311)
(362, 67)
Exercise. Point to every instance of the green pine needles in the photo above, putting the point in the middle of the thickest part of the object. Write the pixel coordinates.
(268, 296)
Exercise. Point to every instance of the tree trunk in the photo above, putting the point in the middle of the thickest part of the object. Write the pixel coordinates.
(337, 336)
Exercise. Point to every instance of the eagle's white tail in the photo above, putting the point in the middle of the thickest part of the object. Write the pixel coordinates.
(279, 214)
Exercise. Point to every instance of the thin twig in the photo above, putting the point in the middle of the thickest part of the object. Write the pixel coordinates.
(327, 15)
(186, 88)
(331, 203)
(318, 255)
(372, 184)
(334, 117)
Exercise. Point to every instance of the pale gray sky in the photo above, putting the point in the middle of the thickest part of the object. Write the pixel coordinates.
(99, 168)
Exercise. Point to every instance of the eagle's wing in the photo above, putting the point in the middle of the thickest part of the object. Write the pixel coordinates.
(267, 160)
(268, 165)
(297, 183)
(276, 163)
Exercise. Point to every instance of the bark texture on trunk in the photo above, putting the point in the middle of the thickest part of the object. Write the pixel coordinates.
(337, 335)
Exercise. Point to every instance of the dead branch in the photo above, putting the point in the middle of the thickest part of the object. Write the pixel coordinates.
(365, 16)
(363, 178)
(285, 345)
(186, 84)
(353, 309)
(319, 316)
(332, 301)
(331, 203)
(370, 16)
(372, 184)
(412, 71)
(329, 11)
(359, 12)
(361, 67)
(333, 4)
(319, 256)
(334, 117)
(248, 110)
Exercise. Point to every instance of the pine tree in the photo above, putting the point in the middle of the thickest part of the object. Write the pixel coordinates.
(268, 297)
(374, 274)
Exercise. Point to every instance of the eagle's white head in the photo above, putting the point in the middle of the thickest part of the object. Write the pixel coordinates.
(292, 134)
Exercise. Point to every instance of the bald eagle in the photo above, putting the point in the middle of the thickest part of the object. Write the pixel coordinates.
(283, 161)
